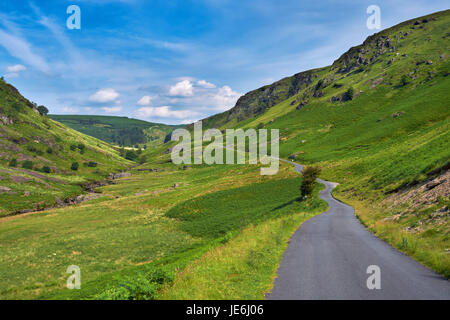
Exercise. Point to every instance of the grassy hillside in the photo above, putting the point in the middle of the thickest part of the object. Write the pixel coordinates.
(37, 156)
(376, 121)
(120, 131)
(411, 44)
(138, 233)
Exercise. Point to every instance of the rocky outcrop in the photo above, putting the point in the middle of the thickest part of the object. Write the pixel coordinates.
(5, 120)
(258, 101)
(420, 197)
(4, 189)
(376, 82)
(301, 105)
(119, 175)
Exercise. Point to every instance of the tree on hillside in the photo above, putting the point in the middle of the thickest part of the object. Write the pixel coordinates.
(404, 80)
(43, 111)
(74, 166)
(27, 164)
(13, 162)
(309, 177)
(348, 95)
(131, 155)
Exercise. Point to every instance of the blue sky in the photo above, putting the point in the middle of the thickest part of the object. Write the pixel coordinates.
(176, 61)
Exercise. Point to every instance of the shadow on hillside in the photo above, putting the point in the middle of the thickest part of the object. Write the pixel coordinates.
(299, 199)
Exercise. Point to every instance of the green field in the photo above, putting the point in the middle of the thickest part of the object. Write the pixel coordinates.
(138, 228)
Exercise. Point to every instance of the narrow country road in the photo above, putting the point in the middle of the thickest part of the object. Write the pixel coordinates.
(328, 256)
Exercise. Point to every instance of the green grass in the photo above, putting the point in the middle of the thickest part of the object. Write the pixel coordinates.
(42, 142)
(214, 215)
(243, 268)
(110, 237)
(389, 136)
(222, 231)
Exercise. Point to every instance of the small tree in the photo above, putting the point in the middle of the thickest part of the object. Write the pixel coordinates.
(13, 162)
(73, 147)
(348, 95)
(74, 166)
(92, 164)
(309, 177)
(404, 80)
(46, 169)
(131, 155)
(43, 111)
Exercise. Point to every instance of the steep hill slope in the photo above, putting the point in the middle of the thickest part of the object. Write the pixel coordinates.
(121, 131)
(37, 157)
(409, 49)
(377, 122)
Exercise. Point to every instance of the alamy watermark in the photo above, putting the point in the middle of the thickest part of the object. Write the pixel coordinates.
(74, 280)
(374, 280)
(74, 20)
(374, 20)
(237, 153)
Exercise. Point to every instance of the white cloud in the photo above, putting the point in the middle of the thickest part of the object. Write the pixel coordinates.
(112, 109)
(19, 48)
(205, 96)
(144, 101)
(182, 88)
(16, 68)
(225, 98)
(205, 84)
(104, 95)
(164, 112)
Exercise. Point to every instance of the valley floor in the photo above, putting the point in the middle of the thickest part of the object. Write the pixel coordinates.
(142, 227)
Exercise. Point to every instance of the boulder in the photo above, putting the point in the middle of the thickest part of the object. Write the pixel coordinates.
(4, 189)
(301, 105)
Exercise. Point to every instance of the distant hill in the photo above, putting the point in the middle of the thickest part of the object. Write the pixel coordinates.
(38, 156)
(122, 131)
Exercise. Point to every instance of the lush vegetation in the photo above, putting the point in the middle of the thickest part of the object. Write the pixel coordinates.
(310, 174)
(243, 268)
(37, 153)
(377, 122)
(128, 231)
(121, 131)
